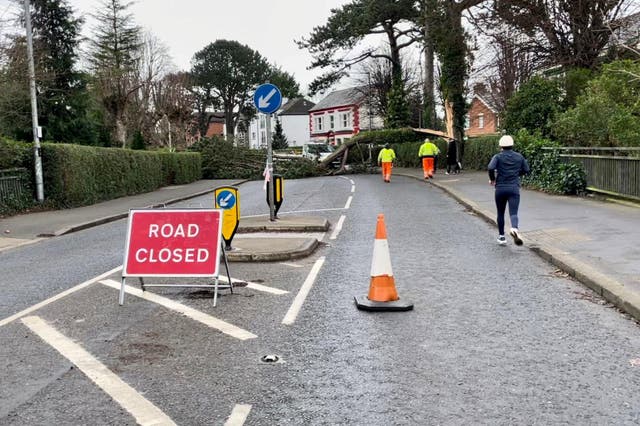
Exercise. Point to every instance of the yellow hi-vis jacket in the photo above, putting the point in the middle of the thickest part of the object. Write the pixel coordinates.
(386, 155)
(428, 149)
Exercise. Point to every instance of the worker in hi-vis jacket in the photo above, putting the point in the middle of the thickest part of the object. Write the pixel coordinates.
(386, 157)
(428, 151)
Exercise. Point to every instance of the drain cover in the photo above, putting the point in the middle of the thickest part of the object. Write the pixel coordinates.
(270, 359)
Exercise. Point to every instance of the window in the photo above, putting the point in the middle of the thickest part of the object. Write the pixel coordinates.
(332, 123)
(346, 122)
(319, 124)
(263, 122)
(480, 121)
(253, 136)
(466, 122)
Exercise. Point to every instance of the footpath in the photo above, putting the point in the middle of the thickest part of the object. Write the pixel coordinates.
(594, 241)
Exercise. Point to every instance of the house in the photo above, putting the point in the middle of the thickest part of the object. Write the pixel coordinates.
(483, 117)
(294, 118)
(341, 115)
(215, 127)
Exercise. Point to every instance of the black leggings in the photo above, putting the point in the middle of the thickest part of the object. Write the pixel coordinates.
(504, 196)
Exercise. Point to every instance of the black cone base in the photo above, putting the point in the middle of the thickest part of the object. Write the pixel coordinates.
(365, 304)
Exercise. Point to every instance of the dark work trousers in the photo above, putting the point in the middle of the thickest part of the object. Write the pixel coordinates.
(506, 195)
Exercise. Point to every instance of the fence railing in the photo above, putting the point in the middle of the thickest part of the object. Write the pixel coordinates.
(14, 184)
(608, 170)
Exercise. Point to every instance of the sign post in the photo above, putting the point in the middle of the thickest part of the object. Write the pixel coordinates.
(174, 243)
(268, 100)
(275, 192)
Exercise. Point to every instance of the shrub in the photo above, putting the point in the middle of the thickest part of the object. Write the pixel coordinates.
(533, 106)
(391, 136)
(608, 112)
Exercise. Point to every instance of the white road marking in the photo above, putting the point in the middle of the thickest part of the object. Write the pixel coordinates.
(338, 228)
(58, 297)
(256, 286)
(293, 265)
(144, 412)
(187, 311)
(352, 182)
(296, 211)
(291, 315)
(238, 415)
(346, 206)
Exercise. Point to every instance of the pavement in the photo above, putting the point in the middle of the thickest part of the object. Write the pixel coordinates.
(592, 240)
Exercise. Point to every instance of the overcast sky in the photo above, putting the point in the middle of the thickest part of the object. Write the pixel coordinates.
(267, 26)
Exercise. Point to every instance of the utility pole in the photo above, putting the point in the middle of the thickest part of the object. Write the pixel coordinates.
(34, 105)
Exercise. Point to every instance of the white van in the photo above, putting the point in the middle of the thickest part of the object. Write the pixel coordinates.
(316, 151)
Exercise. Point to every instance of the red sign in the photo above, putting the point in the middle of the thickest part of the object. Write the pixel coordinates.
(173, 243)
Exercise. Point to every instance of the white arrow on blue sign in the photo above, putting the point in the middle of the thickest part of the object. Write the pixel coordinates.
(226, 200)
(267, 98)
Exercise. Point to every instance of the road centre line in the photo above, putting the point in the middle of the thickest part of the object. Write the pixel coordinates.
(238, 415)
(58, 296)
(255, 286)
(346, 206)
(338, 228)
(291, 315)
(144, 412)
(353, 188)
(187, 311)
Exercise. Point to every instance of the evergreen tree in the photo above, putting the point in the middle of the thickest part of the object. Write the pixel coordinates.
(397, 107)
(114, 58)
(138, 141)
(279, 140)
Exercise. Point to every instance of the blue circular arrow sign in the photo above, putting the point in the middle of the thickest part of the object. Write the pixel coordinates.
(267, 98)
(226, 200)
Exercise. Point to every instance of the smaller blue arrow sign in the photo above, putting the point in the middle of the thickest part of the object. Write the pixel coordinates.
(226, 200)
(267, 98)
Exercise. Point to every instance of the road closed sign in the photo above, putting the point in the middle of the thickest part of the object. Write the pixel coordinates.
(173, 243)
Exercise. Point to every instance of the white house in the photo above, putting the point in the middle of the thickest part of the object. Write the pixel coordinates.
(341, 115)
(294, 118)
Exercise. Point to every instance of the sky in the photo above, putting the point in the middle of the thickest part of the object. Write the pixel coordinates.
(267, 26)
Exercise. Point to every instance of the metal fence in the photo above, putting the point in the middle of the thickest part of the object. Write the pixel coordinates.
(14, 184)
(608, 170)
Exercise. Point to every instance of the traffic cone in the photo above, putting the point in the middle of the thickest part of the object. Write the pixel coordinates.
(382, 290)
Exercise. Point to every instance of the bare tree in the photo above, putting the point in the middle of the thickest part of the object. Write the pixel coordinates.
(175, 103)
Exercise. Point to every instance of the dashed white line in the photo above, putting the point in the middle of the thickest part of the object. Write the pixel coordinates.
(292, 314)
(238, 415)
(187, 311)
(144, 412)
(346, 206)
(293, 265)
(353, 188)
(58, 297)
(338, 228)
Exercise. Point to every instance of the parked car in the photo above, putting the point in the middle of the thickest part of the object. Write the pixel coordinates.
(316, 151)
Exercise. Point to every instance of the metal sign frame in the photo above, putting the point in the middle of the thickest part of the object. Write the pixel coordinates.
(214, 273)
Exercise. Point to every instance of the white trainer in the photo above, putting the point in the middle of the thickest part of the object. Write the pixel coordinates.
(516, 236)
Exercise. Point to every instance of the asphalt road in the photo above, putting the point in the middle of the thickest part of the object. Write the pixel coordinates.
(496, 337)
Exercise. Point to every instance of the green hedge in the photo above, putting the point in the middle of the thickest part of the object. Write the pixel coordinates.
(479, 150)
(76, 175)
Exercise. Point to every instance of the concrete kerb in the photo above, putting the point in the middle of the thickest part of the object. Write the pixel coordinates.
(118, 216)
(306, 248)
(611, 290)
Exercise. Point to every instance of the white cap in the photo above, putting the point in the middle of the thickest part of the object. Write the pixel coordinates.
(505, 141)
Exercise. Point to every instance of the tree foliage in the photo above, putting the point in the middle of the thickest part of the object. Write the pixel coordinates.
(225, 73)
(279, 138)
(533, 107)
(608, 112)
(331, 44)
(115, 54)
(564, 32)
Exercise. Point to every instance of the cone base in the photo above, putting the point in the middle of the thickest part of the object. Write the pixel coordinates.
(363, 303)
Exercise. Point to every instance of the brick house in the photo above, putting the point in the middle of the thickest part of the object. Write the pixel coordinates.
(341, 115)
(483, 118)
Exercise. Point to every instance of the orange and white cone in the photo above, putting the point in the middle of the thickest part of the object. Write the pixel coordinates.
(382, 289)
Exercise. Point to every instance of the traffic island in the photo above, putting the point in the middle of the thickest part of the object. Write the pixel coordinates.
(270, 249)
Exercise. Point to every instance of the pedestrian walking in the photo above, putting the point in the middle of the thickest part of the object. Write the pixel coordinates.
(505, 169)
(427, 152)
(386, 157)
(453, 166)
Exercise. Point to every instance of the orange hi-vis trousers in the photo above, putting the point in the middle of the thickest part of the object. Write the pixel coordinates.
(427, 166)
(386, 170)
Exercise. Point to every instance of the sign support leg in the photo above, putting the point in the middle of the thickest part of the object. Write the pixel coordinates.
(121, 296)
(226, 266)
(141, 283)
